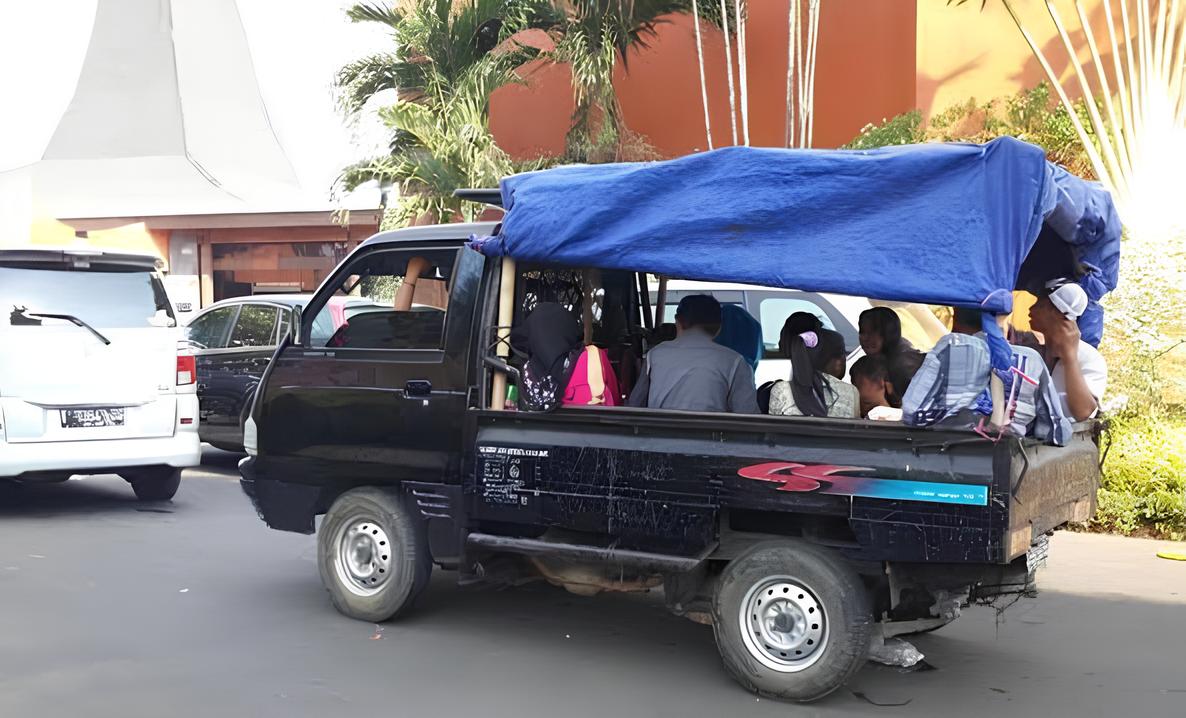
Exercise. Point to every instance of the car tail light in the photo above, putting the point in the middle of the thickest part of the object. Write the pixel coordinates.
(186, 368)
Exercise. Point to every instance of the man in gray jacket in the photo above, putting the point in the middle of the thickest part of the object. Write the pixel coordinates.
(692, 372)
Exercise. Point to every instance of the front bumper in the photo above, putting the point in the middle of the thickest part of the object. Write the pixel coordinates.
(81, 457)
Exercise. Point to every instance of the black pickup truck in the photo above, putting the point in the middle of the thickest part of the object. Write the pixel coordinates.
(800, 540)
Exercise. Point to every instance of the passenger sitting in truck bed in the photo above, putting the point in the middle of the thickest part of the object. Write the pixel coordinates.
(692, 372)
(1033, 405)
(870, 375)
(1077, 369)
(816, 387)
(881, 333)
(741, 333)
(560, 369)
(795, 325)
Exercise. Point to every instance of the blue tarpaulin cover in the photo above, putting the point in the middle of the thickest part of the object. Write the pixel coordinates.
(944, 224)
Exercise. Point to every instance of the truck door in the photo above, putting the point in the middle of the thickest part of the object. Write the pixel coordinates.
(380, 399)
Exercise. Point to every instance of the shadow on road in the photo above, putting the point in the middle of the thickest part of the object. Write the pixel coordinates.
(213, 458)
(86, 495)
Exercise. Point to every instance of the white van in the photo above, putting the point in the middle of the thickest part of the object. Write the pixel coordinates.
(93, 377)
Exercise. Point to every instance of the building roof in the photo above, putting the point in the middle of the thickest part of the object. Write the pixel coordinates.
(167, 118)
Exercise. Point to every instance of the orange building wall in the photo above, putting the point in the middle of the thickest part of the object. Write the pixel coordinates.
(866, 71)
(876, 59)
(965, 52)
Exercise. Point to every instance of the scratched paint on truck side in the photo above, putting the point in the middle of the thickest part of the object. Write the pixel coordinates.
(640, 497)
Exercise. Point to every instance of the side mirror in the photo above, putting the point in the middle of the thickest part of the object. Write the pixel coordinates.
(294, 326)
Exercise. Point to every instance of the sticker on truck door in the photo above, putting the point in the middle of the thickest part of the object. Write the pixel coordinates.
(849, 481)
(504, 471)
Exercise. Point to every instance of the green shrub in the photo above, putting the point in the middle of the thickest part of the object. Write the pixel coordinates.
(1030, 115)
(905, 129)
(1144, 483)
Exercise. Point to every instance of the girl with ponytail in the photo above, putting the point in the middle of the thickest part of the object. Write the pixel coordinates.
(816, 387)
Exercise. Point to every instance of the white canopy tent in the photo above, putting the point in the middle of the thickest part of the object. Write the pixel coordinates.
(168, 114)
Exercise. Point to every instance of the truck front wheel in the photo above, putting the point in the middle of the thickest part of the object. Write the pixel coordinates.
(372, 554)
(792, 620)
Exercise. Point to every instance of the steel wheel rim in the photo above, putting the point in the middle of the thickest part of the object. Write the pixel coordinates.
(783, 624)
(362, 555)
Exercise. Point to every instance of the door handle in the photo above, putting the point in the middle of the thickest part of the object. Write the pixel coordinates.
(418, 388)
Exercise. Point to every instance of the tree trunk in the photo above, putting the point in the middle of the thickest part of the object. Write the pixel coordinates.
(729, 67)
(742, 69)
(703, 84)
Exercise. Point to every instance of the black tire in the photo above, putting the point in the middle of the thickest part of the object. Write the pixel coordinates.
(364, 516)
(155, 484)
(839, 643)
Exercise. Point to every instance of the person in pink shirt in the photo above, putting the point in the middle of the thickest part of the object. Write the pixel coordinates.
(560, 369)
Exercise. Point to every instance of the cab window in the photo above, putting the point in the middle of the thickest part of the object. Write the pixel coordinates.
(389, 299)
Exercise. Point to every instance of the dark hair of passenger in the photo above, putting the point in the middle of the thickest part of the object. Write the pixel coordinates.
(810, 352)
(797, 323)
(967, 321)
(699, 310)
(884, 322)
(871, 367)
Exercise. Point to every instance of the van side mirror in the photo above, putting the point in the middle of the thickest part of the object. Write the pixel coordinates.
(294, 326)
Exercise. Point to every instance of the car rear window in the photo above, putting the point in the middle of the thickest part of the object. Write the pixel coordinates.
(104, 296)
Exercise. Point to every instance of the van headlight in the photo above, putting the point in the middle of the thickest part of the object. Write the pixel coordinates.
(250, 437)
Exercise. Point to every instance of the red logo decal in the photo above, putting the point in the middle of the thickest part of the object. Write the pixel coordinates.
(792, 476)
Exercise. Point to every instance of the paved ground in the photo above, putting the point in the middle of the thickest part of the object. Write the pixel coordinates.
(110, 608)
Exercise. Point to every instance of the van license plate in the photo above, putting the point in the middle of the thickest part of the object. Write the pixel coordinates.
(86, 418)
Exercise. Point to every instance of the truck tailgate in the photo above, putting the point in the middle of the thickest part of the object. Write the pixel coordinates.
(1049, 485)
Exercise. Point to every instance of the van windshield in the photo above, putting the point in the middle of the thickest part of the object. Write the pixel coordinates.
(105, 297)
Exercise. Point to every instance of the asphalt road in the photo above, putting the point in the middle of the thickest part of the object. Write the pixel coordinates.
(194, 608)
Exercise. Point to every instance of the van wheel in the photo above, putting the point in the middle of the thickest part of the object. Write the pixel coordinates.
(372, 554)
(155, 484)
(791, 620)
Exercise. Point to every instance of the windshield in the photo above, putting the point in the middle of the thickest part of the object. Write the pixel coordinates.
(112, 297)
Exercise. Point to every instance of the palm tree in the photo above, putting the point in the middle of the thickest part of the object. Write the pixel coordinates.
(439, 37)
(593, 36)
(1137, 144)
(450, 57)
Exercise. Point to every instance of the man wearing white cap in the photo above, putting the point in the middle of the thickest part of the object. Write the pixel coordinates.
(1077, 369)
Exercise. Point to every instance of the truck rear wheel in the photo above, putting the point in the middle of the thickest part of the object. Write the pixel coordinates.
(372, 555)
(792, 620)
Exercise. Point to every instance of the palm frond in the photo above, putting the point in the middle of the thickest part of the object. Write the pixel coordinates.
(375, 12)
(357, 82)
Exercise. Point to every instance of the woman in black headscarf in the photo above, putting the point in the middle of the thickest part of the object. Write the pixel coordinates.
(881, 334)
(816, 387)
(553, 340)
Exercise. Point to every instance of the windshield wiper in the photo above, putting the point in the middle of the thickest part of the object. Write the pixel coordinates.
(73, 320)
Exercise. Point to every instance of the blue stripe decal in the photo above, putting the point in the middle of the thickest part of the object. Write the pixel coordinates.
(969, 495)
